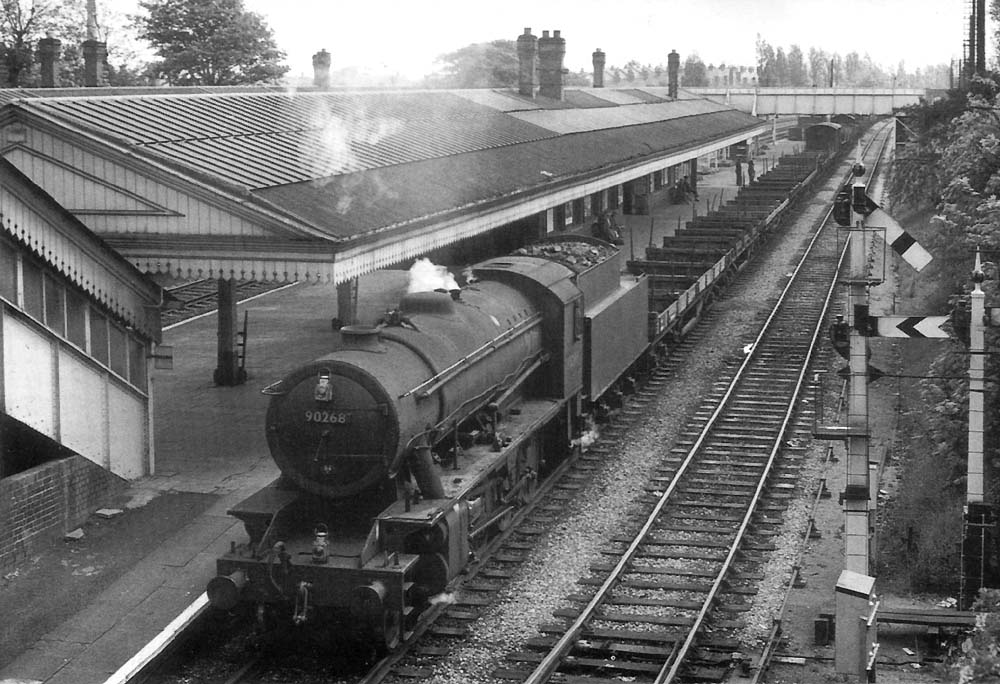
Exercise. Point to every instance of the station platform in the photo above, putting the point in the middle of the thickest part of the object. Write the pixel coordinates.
(210, 441)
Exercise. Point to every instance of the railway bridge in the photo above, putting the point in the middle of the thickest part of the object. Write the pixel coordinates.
(814, 101)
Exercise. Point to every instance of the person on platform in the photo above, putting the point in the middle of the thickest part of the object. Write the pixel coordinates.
(751, 171)
(606, 228)
(688, 192)
(613, 231)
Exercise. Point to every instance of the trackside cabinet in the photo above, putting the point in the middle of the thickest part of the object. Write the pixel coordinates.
(855, 624)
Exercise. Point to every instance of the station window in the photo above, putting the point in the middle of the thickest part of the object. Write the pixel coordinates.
(137, 363)
(98, 336)
(32, 283)
(76, 319)
(55, 305)
(118, 349)
(8, 272)
(68, 312)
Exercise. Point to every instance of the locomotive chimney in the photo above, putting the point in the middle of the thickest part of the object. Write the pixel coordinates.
(362, 337)
(673, 73)
(598, 68)
(550, 65)
(527, 46)
(321, 70)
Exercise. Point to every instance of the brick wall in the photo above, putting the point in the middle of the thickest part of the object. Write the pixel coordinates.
(47, 501)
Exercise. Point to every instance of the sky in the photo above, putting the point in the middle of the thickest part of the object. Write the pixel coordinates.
(405, 37)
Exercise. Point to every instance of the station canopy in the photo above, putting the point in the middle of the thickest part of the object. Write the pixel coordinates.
(274, 185)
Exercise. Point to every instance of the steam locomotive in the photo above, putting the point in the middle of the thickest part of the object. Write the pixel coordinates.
(409, 446)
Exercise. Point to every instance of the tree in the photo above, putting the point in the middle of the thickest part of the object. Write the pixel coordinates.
(765, 63)
(210, 42)
(24, 22)
(480, 65)
(797, 74)
(818, 67)
(694, 74)
(980, 661)
(21, 24)
(852, 68)
(781, 73)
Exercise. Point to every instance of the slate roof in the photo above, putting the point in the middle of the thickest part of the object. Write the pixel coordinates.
(350, 163)
(348, 206)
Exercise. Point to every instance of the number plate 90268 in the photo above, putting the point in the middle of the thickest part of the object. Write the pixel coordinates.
(333, 417)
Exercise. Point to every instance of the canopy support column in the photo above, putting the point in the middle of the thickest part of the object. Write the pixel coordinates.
(228, 372)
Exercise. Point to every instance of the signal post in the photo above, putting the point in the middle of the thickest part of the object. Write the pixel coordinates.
(856, 603)
(855, 633)
(857, 553)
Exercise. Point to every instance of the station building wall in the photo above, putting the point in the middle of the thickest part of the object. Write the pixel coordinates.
(70, 371)
(47, 500)
(78, 324)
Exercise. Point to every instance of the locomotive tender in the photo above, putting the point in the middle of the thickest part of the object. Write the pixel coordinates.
(410, 444)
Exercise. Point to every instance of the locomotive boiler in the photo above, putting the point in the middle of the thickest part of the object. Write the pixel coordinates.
(409, 445)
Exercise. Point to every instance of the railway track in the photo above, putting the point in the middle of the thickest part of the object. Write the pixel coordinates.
(720, 490)
(200, 297)
(677, 579)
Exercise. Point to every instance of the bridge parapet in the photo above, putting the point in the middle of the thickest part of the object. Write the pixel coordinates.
(814, 101)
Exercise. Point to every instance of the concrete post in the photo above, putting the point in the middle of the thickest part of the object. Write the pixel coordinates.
(979, 518)
(977, 349)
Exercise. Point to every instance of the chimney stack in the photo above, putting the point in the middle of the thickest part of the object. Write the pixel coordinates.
(527, 47)
(321, 69)
(95, 57)
(95, 52)
(673, 73)
(48, 58)
(598, 68)
(550, 65)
